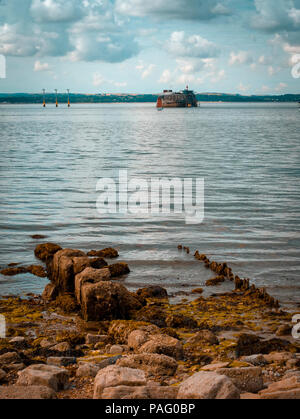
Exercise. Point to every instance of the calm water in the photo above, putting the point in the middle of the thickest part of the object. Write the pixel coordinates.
(249, 155)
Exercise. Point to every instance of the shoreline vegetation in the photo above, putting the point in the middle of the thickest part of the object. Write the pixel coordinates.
(87, 336)
(37, 98)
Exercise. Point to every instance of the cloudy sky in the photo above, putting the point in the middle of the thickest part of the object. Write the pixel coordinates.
(240, 46)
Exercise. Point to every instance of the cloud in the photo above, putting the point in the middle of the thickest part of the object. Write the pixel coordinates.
(243, 88)
(86, 30)
(180, 45)
(173, 9)
(146, 70)
(274, 16)
(166, 77)
(38, 66)
(239, 58)
(98, 79)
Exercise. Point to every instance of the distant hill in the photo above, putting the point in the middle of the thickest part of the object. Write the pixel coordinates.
(23, 98)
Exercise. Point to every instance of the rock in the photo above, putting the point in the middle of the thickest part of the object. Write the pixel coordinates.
(152, 364)
(180, 321)
(208, 385)
(203, 337)
(50, 293)
(119, 269)
(153, 291)
(63, 268)
(17, 340)
(26, 392)
(248, 380)
(137, 338)
(119, 330)
(163, 344)
(46, 251)
(250, 396)
(87, 370)
(106, 301)
(256, 360)
(38, 236)
(61, 361)
(61, 347)
(2, 375)
(109, 253)
(152, 314)
(115, 376)
(37, 270)
(125, 392)
(9, 358)
(198, 291)
(15, 367)
(280, 357)
(98, 263)
(14, 271)
(251, 344)
(90, 275)
(284, 330)
(47, 343)
(288, 388)
(44, 375)
(116, 349)
(215, 367)
(109, 361)
(93, 339)
(162, 392)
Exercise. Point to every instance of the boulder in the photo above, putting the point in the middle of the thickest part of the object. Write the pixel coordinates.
(63, 268)
(153, 291)
(247, 380)
(119, 330)
(251, 344)
(141, 392)
(137, 338)
(106, 301)
(87, 370)
(205, 337)
(152, 364)
(119, 269)
(19, 340)
(115, 376)
(43, 375)
(9, 358)
(288, 389)
(152, 314)
(18, 392)
(46, 251)
(108, 253)
(208, 385)
(163, 344)
(92, 276)
(61, 347)
(279, 357)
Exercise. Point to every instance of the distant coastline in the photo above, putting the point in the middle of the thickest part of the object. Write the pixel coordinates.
(35, 98)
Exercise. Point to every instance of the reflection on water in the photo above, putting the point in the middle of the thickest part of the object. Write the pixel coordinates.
(248, 154)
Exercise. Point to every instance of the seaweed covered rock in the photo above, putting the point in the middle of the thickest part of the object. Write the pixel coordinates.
(120, 330)
(119, 269)
(205, 337)
(153, 291)
(152, 314)
(109, 253)
(251, 344)
(106, 301)
(46, 251)
(181, 321)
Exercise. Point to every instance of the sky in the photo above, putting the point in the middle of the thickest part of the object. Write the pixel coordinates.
(145, 46)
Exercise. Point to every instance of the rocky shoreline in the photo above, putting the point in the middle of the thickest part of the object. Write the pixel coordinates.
(87, 336)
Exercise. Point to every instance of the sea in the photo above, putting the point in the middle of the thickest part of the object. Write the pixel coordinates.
(52, 161)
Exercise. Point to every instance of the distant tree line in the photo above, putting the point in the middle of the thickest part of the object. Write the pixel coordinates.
(23, 98)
